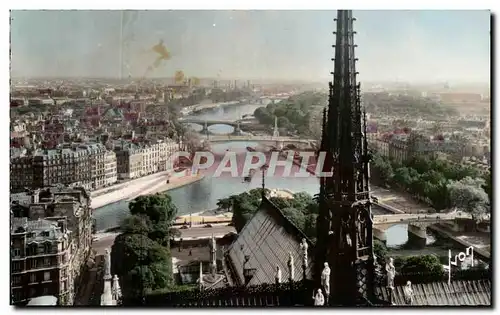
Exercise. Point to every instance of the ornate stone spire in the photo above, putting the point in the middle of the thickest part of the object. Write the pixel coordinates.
(344, 197)
(263, 169)
(276, 131)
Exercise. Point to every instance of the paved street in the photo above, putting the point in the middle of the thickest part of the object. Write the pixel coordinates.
(394, 218)
(202, 232)
(398, 200)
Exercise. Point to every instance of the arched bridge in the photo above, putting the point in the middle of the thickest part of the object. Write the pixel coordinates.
(208, 123)
(389, 220)
(279, 142)
(417, 223)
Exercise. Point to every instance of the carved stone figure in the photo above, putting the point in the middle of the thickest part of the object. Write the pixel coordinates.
(304, 246)
(117, 292)
(319, 299)
(291, 266)
(278, 274)
(391, 273)
(107, 265)
(213, 244)
(408, 293)
(325, 279)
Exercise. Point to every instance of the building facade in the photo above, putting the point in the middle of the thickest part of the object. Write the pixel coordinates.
(110, 172)
(129, 160)
(51, 233)
(141, 159)
(39, 260)
(80, 164)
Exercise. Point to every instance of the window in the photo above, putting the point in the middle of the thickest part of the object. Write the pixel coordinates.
(45, 291)
(16, 280)
(46, 276)
(46, 262)
(32, 292)
(33, 277)
(17, 252)
(16, 266)
(48, 247)
(33, 263)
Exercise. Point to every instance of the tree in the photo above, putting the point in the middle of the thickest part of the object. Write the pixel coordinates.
(130, 250)
(296, 216)
(225, 204)
(192, 141)
(283, 122)
(140, 280)
(136, 224)
(379, 249)
(302, 199)
(426, 264)
(402, 177)
(468, 194)
(310, 226)
(420, 163)
(263, 116)
(157, 207)
(382, 169)
(487, 184)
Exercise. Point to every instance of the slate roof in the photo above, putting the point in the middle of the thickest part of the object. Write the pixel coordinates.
(268, 238)
(463, 293)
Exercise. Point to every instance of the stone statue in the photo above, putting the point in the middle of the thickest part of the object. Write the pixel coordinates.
(107, 265)
(213, 257)
(319, 299)
(391, 273)
(213, 244)
(408, 293)
(304, 246)
(278, 274)
(325, 278)
(117, 292)
(291, 266)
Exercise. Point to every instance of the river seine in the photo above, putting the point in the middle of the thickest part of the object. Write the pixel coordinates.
(203, 195)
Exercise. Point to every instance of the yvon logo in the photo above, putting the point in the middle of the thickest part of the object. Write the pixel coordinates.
(460, 257)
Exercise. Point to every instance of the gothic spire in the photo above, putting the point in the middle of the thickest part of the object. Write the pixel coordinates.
(344, 229)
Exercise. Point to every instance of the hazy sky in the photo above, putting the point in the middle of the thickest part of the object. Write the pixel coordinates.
(296, 45)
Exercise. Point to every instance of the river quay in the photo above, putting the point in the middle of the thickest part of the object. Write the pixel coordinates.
(150, 185)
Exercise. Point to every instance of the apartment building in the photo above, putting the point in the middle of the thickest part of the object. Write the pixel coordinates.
(110, 172)
(403, 147)
(129, 160)
(140, 159)
(156, 154)
(76, 163)
(51, 235)
(38, 260)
